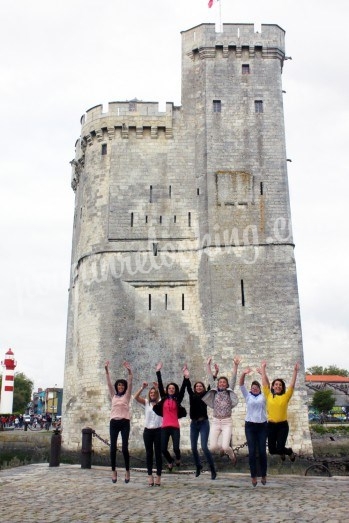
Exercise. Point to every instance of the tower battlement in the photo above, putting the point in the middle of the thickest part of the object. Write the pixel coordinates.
(123, 115)
(234, 35)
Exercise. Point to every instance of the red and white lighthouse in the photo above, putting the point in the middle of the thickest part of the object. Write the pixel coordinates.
(8, 376)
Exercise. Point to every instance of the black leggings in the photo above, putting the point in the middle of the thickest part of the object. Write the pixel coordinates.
(152, 442)
(277, 436)
(116, 426)
(174, 433)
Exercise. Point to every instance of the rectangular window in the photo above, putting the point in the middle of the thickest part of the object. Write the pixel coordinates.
(104, 148)
(245, 69)
(217, 106)
(258, 106)
(132, 107)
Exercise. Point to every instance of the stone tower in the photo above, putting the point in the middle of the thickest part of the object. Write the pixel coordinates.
(182, 243)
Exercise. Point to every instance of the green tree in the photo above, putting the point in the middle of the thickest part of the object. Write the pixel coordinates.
(331, 370)
(22, 392)
(323, 400)
(316, 369)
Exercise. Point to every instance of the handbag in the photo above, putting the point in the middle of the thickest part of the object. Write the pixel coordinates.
(181, 412)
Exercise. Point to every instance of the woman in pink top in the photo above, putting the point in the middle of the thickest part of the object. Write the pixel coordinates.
(120, 395)
(170, 408)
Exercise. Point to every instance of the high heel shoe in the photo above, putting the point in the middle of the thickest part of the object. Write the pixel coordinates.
(150, 481)
(198, 471)
(158, 481)
(254, 482)
(170, 467)
(115, 477)
(264, 480)
(127, 477)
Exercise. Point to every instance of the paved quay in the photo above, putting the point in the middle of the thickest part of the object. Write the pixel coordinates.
(39, 493)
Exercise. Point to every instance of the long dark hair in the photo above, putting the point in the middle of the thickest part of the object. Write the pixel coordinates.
(201, 393)
(175, 386)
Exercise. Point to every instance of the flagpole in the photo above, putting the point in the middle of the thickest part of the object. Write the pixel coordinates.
(220, 17)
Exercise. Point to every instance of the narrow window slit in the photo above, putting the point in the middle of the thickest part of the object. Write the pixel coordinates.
(151, 194)
(155, 249)
(242, 293)
(261, 188)
(131, 219)
(182, 302)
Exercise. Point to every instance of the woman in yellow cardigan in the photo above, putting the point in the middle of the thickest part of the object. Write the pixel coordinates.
(278, 397)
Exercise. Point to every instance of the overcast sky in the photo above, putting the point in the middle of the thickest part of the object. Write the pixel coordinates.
(59, 58)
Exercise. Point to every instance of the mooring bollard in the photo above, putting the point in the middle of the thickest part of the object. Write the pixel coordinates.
(86, 448)
(56, 442)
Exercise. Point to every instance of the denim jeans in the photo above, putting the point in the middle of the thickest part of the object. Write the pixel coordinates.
(202, 428)
(152, 443)
(116, 426)
(277, 437)
(174, 433)
(256, 436)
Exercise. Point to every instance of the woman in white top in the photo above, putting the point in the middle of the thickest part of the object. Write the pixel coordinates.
(255, 427)
(151, 433)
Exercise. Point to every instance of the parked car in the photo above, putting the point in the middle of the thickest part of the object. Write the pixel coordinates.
(314, 417)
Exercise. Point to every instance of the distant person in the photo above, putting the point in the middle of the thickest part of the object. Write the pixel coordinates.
(171, 410)
(48, 421)
(222, 399)
(199, 425)
(120, 396)
(255, 427)
(151, 432)
(277, 402)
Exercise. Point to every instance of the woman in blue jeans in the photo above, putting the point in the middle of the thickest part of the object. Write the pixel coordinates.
(255, 427)
(199, 424)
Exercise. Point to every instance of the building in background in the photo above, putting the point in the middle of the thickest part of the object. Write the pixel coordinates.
(47, 401)
(339, 385)
(182, 238)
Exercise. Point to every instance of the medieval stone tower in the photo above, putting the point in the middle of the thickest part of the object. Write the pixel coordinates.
(182, 243)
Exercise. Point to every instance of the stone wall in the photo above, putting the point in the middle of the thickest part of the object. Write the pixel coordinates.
(182, 241)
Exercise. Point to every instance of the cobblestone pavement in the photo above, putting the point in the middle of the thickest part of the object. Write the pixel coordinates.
(39, 493)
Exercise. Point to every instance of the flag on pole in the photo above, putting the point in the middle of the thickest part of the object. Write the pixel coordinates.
(211, 2)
